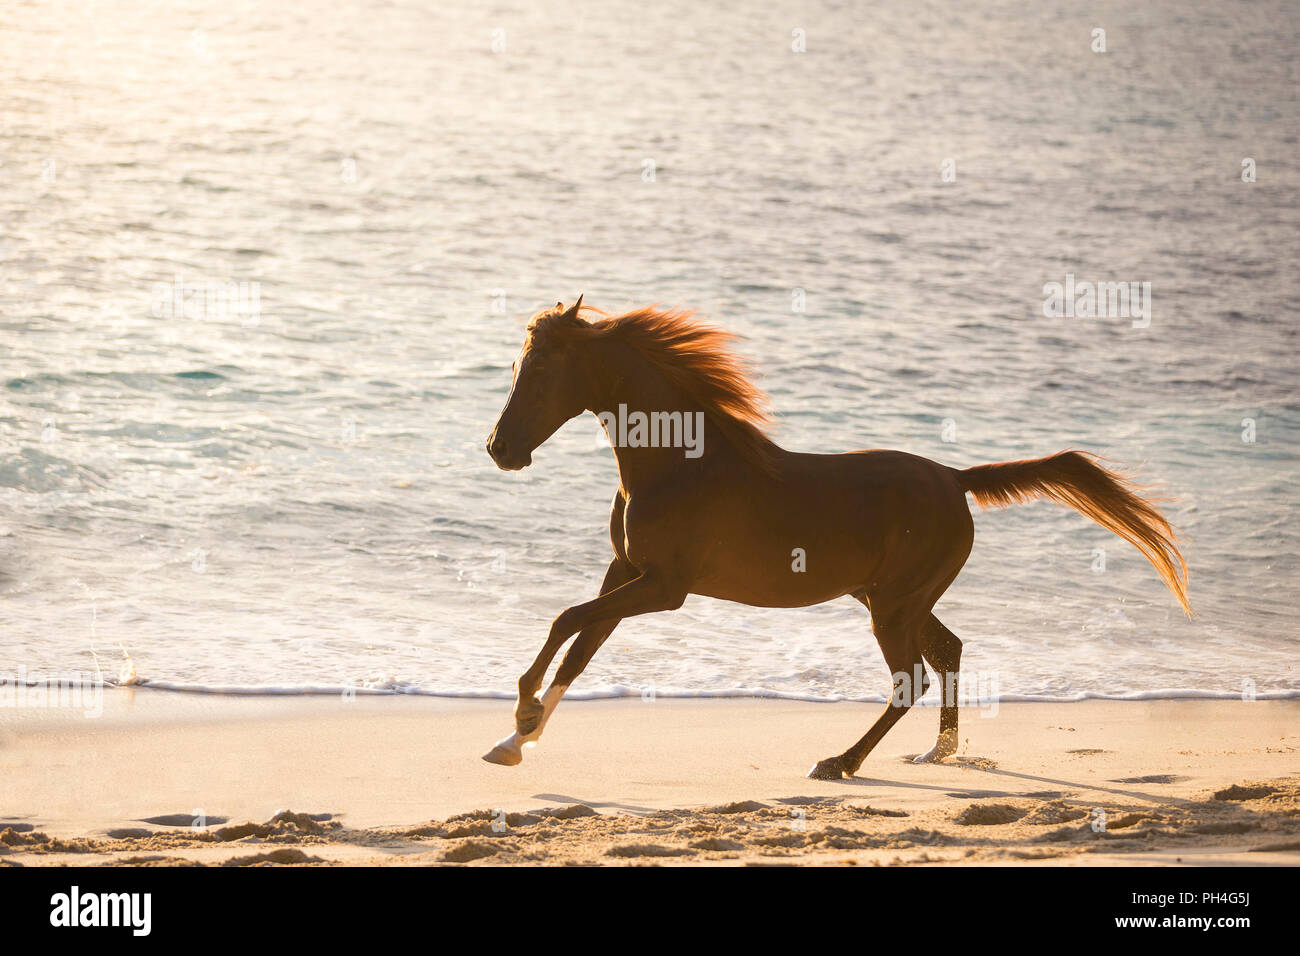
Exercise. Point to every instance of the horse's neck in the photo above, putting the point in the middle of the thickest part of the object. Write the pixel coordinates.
(627, 384)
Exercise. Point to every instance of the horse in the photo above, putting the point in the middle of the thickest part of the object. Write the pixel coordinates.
(729, 514)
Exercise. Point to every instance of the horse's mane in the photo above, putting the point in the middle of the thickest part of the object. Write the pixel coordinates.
(693, 356)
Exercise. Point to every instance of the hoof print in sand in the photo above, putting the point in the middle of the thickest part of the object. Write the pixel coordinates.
(740, 806)
(184, 820)
(717, 844)
(647, 849)
(285, 857)
(1236, 792)
(469, 851)
(989, 814)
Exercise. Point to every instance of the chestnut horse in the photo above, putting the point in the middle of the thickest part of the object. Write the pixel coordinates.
(732, 515)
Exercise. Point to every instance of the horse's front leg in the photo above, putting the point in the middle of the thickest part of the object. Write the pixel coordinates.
(530, 712)
(528, 709)
(643, 594)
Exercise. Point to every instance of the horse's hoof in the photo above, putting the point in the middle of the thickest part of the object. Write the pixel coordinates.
(832, 768)
(942, 748)
(528, 716)
(505, 755)
(933, 755)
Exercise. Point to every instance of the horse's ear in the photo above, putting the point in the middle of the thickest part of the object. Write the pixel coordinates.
(573, 310)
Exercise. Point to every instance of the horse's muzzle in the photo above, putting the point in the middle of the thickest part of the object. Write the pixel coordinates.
(505, 455)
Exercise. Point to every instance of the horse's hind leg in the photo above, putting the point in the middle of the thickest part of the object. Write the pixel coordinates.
(942, 650)
(899, 640)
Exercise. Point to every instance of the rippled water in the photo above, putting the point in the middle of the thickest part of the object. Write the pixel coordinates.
(301, 497)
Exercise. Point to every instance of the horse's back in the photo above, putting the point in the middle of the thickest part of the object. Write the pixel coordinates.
(872, 469)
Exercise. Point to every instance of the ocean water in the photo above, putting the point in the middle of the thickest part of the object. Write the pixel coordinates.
(296, 495)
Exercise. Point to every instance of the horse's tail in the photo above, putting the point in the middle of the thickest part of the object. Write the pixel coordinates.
(1074, 479)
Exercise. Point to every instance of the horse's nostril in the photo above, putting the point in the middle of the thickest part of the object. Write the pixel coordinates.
(496, 447)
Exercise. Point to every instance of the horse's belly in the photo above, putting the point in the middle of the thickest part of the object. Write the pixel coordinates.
(781, 573)
(781, 557)
(775, 594)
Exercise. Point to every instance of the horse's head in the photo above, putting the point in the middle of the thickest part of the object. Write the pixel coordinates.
(547, 391)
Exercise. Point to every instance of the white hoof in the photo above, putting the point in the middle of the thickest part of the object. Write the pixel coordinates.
(507, 753)
(510, 752)
(942, 748)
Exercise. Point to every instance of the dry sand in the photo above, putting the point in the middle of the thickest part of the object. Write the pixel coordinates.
(398, 781)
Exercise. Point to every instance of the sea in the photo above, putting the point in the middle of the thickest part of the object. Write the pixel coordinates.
(265, 264)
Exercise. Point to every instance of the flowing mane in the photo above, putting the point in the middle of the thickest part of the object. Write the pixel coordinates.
(691, 355)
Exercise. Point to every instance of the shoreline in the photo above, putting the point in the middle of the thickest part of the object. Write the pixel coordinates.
(369, 770)
(14, 693)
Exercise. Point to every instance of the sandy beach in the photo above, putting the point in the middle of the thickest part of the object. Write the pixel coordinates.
(166, 778)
